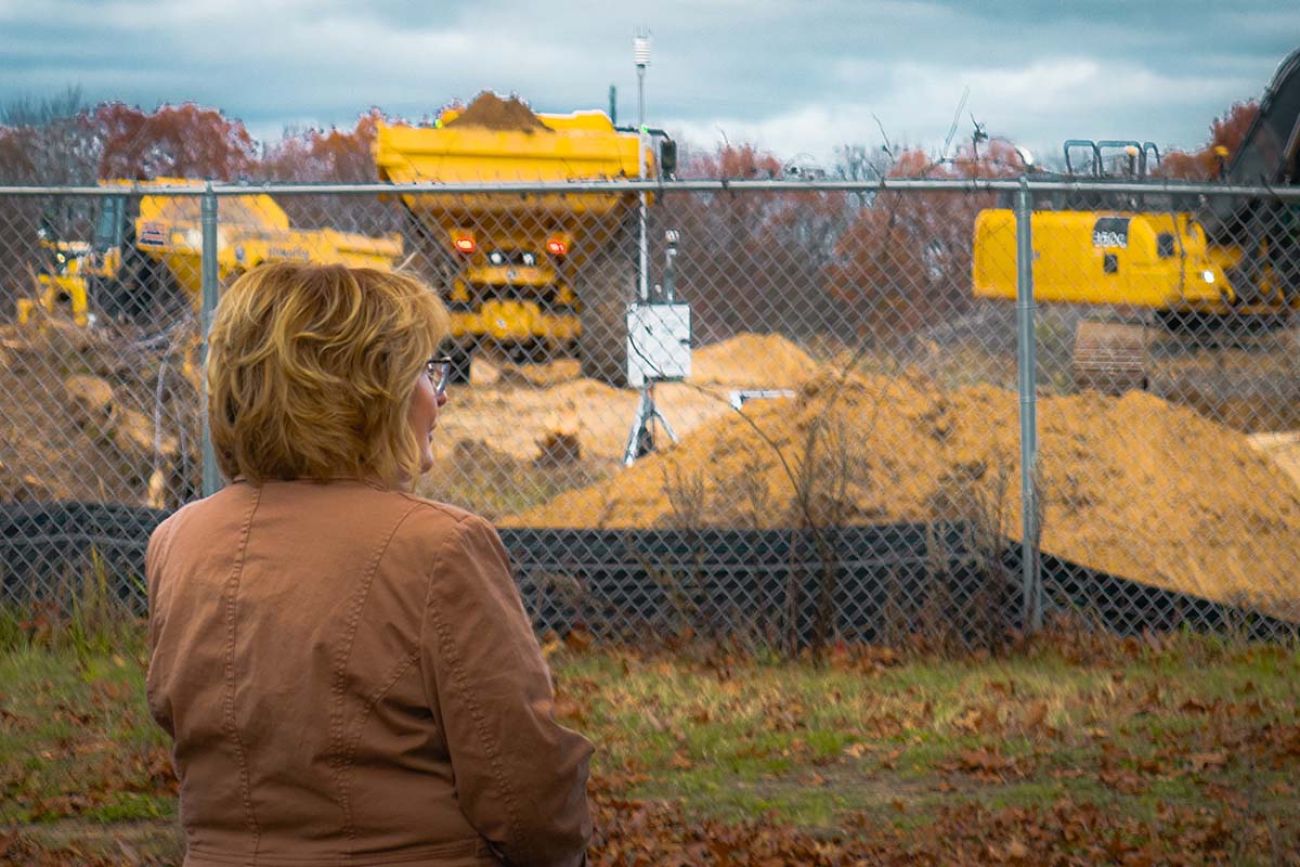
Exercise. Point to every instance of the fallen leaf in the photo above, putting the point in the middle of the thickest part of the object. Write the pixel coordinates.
(1205, 761)
(1035, 714)
(578, 640)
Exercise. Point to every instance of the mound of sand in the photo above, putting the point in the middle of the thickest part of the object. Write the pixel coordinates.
(516, 407)
(90, 436)
(543, 375)
(1133, 486)
(752, 361)
(1283, 448)
(492, 112)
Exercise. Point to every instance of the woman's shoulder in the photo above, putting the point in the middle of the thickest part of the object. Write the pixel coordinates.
(409, 522)
(431, 515)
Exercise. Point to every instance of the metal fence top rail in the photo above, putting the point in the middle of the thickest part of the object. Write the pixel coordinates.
(970, 185)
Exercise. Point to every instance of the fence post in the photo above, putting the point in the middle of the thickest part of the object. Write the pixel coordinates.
(208, 216)
(1027, 374)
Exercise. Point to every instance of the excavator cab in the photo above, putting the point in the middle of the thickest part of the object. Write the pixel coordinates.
(1111, 159)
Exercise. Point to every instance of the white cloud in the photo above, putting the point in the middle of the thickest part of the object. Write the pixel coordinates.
(793, 78)
(1040, 105)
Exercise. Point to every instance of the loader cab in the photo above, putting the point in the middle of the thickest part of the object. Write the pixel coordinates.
(112, 225)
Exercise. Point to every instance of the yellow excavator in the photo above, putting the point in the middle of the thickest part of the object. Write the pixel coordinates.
(142, 264)
(533, 275)
(1163, 262)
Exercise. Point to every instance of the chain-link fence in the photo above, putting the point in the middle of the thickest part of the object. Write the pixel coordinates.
(853, 422)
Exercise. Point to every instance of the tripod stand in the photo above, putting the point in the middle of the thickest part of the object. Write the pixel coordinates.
(659, 350)
(641, 438)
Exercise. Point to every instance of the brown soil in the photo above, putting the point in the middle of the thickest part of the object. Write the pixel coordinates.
(752, 361)
(540, 375)
(1132, 486)
(516, 419)
(1283, 448)
(519, 408)
(491, 111)
(78, 418)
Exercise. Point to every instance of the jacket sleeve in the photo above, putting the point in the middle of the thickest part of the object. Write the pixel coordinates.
(521, 778)
(153, 560)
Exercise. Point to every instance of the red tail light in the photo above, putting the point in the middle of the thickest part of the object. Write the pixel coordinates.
(557, 246)
(464, 244)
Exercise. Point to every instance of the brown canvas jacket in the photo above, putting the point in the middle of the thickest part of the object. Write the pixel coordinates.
(349, 677)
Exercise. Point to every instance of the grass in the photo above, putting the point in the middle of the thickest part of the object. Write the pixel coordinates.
(820, 744)
(1166, 743)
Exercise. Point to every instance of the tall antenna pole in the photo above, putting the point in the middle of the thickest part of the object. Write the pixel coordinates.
(641, 56)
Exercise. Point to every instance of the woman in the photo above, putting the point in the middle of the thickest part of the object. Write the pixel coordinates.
(346, 670)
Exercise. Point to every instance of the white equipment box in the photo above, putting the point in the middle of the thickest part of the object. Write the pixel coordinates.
(658, 342)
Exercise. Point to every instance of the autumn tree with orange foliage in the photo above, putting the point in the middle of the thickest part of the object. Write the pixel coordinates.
(752, 261)
(319, 155)
(905, 261)
(185, 141)
(339, 156)
(1227, 132)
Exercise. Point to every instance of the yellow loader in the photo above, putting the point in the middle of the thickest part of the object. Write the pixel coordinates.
(143, 264)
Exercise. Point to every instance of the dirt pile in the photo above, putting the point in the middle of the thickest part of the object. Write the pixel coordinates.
(519, 407)
(752, 361)
(541, 375)
(491, 111)
(1132, 486)
(80, 415)
(1283, 448)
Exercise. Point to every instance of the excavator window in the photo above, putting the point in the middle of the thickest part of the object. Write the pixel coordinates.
(1165, 245)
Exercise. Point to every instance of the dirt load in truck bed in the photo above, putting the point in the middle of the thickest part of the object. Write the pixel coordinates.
(491, 111)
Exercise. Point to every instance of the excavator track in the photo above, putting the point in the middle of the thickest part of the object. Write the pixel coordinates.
(1111, 357)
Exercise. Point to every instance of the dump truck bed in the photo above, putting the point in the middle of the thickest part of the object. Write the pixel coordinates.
(581, 145)
(566, 147)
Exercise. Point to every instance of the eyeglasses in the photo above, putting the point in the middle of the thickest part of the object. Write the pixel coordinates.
(439, 370)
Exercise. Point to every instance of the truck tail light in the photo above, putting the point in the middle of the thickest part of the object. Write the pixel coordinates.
(464, 243)
(557, 246)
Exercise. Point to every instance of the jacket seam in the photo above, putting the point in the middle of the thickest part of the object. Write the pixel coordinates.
(448, 648)
(338, 734)
(345, 778)
(431, 698)
(232, 728)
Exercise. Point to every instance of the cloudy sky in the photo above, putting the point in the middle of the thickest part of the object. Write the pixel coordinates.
(798, 78)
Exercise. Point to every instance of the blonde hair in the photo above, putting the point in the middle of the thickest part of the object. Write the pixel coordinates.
(311, 369)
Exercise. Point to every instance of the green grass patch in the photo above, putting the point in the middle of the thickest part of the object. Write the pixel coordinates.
(1196, 725)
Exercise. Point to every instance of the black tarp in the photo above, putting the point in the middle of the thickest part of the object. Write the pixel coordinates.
(878, 583)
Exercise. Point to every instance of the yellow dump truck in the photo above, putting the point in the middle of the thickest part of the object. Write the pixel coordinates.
(1185, 262)
(531, 274)
(142, 264)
